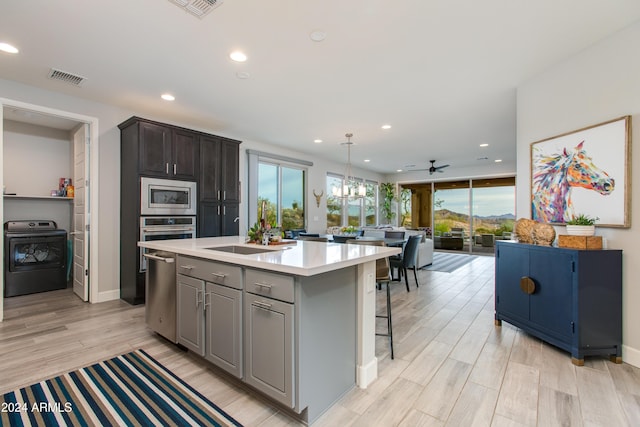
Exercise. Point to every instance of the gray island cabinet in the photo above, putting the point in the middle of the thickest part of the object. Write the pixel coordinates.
(296, 323)
(209, 311)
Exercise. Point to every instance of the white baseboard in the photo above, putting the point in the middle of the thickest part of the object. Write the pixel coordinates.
(106, 296)
(366, 374)
(631, 356)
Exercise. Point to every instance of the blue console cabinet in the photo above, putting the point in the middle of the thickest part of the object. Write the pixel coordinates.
(569, 298)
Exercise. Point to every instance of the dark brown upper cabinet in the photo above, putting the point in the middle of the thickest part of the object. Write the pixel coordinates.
(166, 152)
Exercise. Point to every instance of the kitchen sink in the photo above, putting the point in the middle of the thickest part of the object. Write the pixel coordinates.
(237, 249)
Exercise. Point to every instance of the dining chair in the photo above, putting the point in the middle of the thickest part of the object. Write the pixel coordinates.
(341, 239)
(408, 260)
(294, 233)
(383, 275)
(304, 234)
(313, 238)
(394, 234)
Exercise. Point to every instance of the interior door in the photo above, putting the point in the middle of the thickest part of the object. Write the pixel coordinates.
(81, 205)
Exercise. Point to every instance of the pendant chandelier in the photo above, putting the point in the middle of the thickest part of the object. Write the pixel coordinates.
(351, 187)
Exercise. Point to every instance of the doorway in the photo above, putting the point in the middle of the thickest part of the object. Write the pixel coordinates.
(83, 138)
(465, 216)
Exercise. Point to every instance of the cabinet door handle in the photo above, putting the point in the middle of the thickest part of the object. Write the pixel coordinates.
(175, 169)
(224, 195)
(159, 258)
(166, 168)
(207, 294)
(218, 210)
(218, 194)
(262, 305)
(263, 285)
(224, 210)
(527, 285)
(219, 275)
(198, 300)
(187, 267)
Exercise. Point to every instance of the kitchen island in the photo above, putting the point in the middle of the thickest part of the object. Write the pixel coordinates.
(300, 317)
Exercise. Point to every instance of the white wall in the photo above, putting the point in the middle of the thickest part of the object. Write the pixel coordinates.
(35, 158)
(598, 84)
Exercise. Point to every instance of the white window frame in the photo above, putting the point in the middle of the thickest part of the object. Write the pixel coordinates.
(256, 157)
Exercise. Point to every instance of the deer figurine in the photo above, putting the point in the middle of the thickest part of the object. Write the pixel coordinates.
(318, 197)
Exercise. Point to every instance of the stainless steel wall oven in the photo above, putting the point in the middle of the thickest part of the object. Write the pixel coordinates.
(164, 228)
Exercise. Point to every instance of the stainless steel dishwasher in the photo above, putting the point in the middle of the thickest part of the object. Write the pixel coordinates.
(160, 286)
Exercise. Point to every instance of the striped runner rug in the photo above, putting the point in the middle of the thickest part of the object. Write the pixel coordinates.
(447, 262)
(131, 389)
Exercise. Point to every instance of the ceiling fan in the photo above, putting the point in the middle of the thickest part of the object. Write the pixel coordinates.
(435, 168)
(432, 169)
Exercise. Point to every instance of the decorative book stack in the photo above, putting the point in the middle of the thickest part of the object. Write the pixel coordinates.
(579, 242)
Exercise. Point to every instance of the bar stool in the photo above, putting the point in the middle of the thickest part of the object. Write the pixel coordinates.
(383, 275)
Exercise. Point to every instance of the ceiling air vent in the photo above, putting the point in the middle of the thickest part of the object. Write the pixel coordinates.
(198, 8)
(63, 76)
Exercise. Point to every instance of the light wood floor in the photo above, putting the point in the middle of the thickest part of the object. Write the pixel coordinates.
(453, 367)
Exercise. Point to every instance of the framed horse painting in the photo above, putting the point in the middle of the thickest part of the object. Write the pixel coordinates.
(587, 171)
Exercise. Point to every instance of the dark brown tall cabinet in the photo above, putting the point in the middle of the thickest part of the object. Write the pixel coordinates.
(219, 196)
(159, 150)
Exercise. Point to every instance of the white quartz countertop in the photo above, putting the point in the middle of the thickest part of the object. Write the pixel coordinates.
(301, 258)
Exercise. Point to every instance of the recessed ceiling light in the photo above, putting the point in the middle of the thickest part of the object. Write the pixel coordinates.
(238, 56)
(6, 47)
(168, 97)
(242, 75)
(367, 160)
(317, 141)
(385, 127)
(317, 35)
(398, 170)
(484, 145)
(497, 160)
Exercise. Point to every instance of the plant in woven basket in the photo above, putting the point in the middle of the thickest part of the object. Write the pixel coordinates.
(582, 219)
(581, 225)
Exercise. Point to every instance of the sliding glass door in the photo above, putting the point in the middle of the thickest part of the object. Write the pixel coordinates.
(493, 212)
(451, 215)
(463, 216)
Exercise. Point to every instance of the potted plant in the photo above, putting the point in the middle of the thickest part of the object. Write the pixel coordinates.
(388, 197)
(581, 225)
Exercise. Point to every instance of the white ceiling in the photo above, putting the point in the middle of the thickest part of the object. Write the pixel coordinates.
(443, 73)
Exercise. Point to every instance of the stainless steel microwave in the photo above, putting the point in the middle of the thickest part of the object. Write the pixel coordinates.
(167, 197)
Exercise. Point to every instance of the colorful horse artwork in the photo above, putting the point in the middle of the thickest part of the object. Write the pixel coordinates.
(555, 175)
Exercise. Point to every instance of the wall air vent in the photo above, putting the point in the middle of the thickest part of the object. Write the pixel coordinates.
(198, 8)
(63, 76)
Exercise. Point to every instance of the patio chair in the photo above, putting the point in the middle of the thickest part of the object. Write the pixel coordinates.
(488, 240)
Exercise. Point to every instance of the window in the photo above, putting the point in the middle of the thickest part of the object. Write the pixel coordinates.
(371, 203)
(356, 212)
(281, 182)
(282, 187)
(334, 204)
